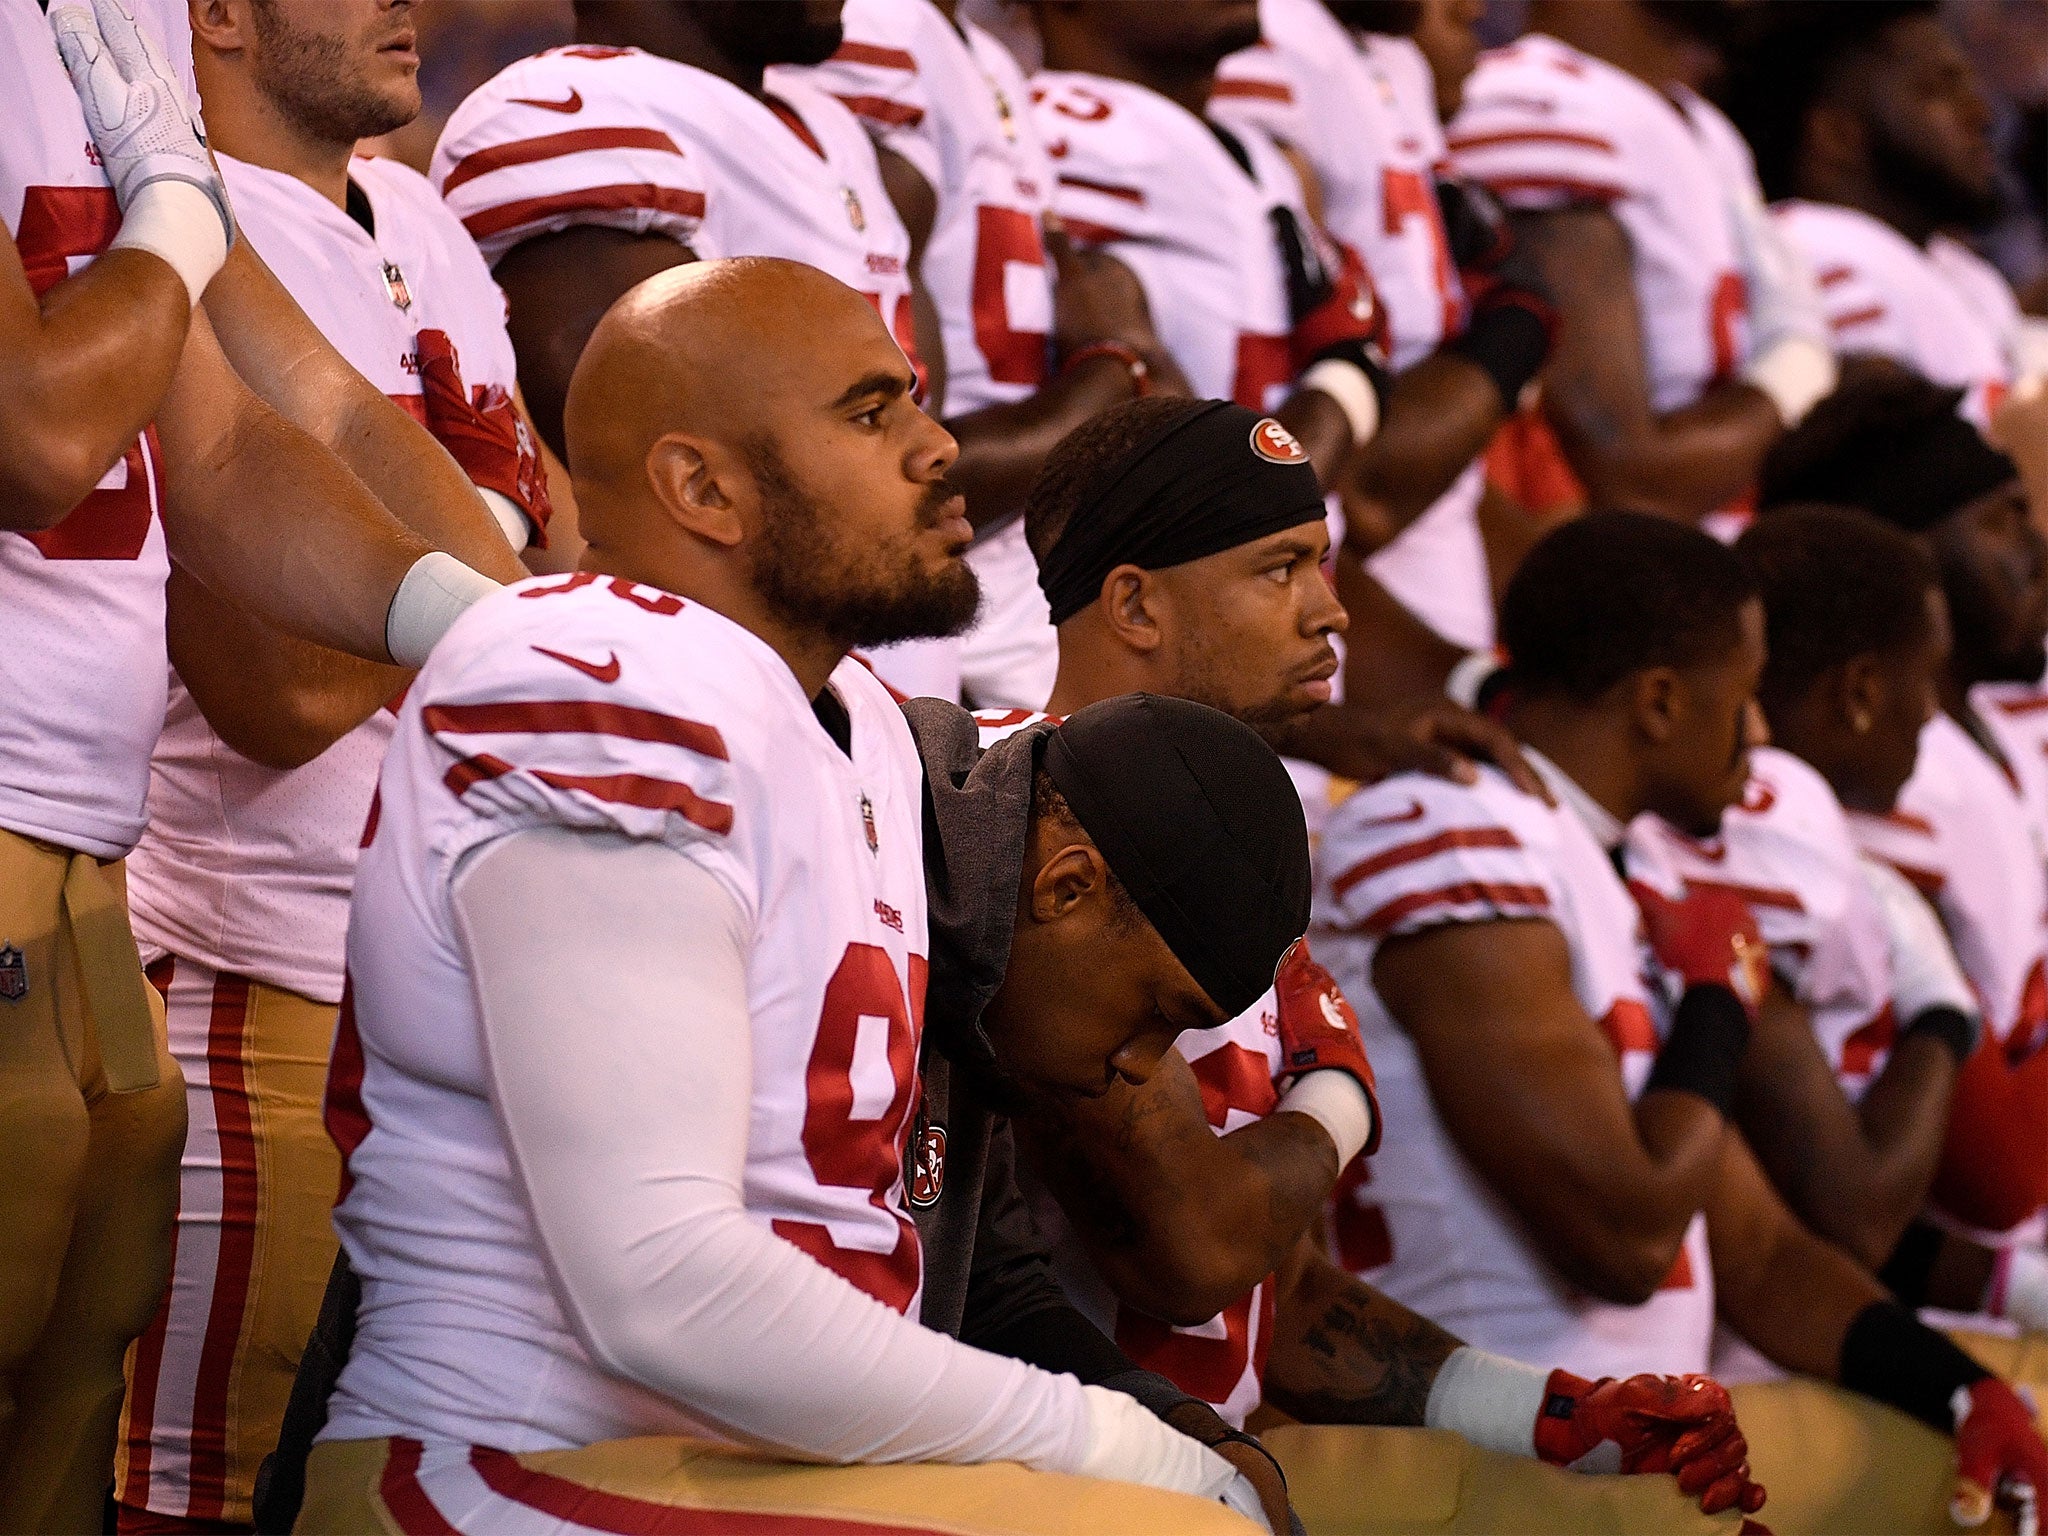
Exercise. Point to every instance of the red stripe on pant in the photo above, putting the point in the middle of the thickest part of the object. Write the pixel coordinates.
(149, 1349)
(238, 1201)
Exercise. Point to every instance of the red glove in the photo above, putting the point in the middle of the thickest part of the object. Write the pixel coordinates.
(1709, 935)
(1318, 1029)
(1999, 1454)
(484, 432)
(1684, 1425)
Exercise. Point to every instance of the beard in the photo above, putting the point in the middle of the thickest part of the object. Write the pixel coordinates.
(811, 578)
(764, 32)
(1396, 18)
(1943, 194)
(306, 75)
(1984, 649)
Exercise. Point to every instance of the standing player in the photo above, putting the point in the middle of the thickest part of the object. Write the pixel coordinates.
(691, 1223)
(950, 115)
(1254, 300)
(141, 428)
(1186, 1199)
(1690, 335)
(1360, 107)
(1570, 1151)
(239, 887)
(1970, 821)
(657, 139)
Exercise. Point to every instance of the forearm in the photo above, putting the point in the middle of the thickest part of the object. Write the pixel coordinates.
(1002, 447)
(87, 366)
(1345, 1354)
(1440, 415)
(1904, 1116)
(1322, 428)
(1685, 464)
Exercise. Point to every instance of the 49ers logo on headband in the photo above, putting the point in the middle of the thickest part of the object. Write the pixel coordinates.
(1275, 444)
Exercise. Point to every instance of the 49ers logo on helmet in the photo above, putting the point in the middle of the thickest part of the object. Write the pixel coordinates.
(1275, 444)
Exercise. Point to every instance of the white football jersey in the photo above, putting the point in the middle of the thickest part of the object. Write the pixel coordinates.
(1361, 109)
(247, 868)
(622, 138)
(1148, 181)
(954, 104)
(1546, 126)
(1414, 853)
(1942, 311)
(1787, 850)
(588, 702)
(83, 664)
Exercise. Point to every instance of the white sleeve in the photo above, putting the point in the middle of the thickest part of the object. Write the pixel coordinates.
(621, 1071)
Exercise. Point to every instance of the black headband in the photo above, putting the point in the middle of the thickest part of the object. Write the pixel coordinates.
(1199, 821)
(1915, 476)
(1206, 482)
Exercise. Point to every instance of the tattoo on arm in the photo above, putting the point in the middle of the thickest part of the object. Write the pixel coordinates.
(1345, 1354)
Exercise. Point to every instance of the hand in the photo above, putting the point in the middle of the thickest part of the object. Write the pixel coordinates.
(1683, 1425)
(1258, 1468)
(135, 106)
(1336, 310)
(1440, 738)
(1925, 971)
(484, 432)
(1318, 1027)
(1707, 937)
(1784, 299)
(1095, 297)
(1999, 1455)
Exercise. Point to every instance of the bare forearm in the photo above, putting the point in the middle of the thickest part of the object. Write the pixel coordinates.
(1322, 428)
(86, 366)
(1439, 417)
(1003, 447)
(1684, 465)
(1345, 1354)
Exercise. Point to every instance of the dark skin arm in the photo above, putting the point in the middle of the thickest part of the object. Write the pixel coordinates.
(1345, 1354)
(1393, 662)
(1683, 464)
(1095, 298)
(1180, 1221)
(1607, 1188)
(1436, 737)
(1855, 1174)
(1440, 415)
(1786, 1291)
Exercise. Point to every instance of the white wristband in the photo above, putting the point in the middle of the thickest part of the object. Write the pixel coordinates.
(509, 516)
(1335, 1102)
(1469, 676)
(436, 592)
(178, 223)
(1489, 1399)
(1797, 372)
(1351, 387)
(2019, 1288)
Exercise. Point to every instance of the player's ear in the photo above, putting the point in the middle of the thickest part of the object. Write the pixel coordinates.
(1130, 604)
(221, 25)
(1656, 702)
(1861, 693)
(696, 483)
(1066, 882)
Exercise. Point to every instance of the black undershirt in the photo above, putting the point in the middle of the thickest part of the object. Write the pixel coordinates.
(832, 715)
(359, 209)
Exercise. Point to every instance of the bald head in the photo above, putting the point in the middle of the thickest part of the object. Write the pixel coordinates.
(744, 433)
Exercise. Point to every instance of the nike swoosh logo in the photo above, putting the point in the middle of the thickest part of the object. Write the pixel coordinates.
(574, 103)
(1413, 813)
(606, 672)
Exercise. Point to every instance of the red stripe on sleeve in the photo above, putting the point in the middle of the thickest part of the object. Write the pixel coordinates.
(877, 55)
(648, 794)
(1862, 316)
(1422, 848)
(549, 717)
(1464, 893)
(1755, 895)
(1585, 191)
(1106, 188)
(552, 145)
(1088, 232)
(1252, 90)
(1532, 136)
(533, 210)
(880, 109)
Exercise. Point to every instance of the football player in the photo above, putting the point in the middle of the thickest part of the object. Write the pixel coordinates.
(660, 137)
(645, 1179)
(1184, 1202)
(239, 887)
(1844, 1089)
(1037, 336)
(1970, 817)
(1568, 1183)
(1690, 333)
(143, 430)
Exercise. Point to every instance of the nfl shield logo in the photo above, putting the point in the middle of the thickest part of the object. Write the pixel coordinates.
(13, 974)
(867, 821)
(855, 215)
(394, 284)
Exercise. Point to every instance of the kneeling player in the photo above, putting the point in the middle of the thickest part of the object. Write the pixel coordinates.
(1570, 1155)
(645, 1178)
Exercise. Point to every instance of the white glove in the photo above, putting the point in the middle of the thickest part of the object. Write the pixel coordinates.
(150, 141)
(2019, 1288)
(1128, 1443)
(1925, 971)
(1790, 358)
(2033, 348)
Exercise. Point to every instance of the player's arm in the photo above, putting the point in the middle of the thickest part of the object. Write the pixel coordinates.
(1855, 1174)
(1345, 1353)
(557, 287)
(1684, 463)
(1527, 1087)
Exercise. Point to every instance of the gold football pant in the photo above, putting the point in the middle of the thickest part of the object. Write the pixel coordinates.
(92, 1119)
(209, 1379)
(682, 1487)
